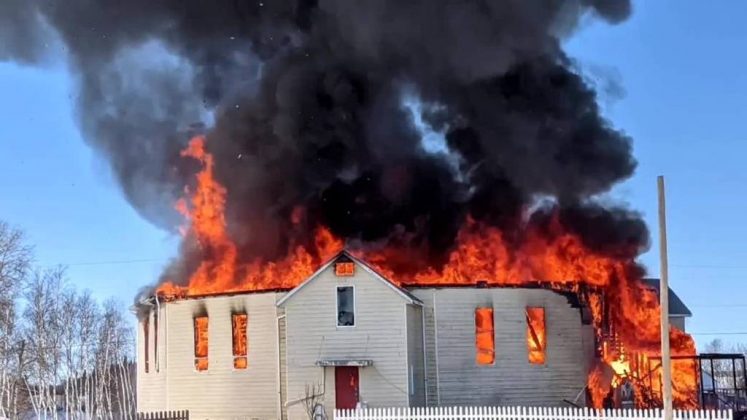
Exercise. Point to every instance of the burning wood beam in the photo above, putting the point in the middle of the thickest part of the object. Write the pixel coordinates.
(536, 335)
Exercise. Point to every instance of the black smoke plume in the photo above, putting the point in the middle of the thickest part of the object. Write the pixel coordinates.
(305, 105)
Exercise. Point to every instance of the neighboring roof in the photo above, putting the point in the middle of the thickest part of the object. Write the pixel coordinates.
(409, 297)
(676, 306)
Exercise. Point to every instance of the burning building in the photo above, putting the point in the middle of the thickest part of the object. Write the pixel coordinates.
(453, 147)
(348, 335)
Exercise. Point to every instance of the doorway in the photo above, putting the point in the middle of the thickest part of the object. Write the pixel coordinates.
(346, 387)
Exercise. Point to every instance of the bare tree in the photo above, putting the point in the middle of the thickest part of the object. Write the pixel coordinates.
(114, 348)
(15, 260)
(43, 338)
(312, 399)
(724, 370)
(63, 355)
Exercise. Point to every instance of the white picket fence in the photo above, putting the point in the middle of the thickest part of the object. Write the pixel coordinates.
(522, 413)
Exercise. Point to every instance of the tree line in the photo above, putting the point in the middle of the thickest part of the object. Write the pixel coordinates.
(62, 353)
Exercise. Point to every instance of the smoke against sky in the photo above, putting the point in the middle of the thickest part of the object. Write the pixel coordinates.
(304, 107)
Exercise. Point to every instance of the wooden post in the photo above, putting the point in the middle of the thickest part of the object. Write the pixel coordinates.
(666, 361)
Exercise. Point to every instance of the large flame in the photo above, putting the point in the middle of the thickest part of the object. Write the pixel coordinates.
(624, 311)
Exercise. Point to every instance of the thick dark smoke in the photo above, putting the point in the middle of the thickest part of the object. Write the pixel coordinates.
(303, 103)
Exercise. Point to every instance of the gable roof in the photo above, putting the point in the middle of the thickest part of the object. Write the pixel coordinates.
(676, 306)
(404, 294)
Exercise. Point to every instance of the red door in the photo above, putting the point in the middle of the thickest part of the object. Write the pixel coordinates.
(346, 386)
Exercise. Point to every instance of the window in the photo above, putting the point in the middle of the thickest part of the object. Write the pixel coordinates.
(201, 343)
(146, 347)
(155, 338)
(536, 335)
(238, 326)
(345, 269)
(345, 306)
(484, 336)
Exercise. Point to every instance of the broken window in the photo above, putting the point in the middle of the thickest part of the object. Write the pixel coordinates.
(345, 269)
(484, 336)
(155, 338)
(238, 326)
(146, 347)
(345, 306)
(536, 335)
(201, 342)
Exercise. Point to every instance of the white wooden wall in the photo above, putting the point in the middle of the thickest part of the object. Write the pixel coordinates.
(221, 392)
(379, 335)
(453, 376)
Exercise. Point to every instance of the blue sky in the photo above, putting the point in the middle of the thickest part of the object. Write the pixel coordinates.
(681, 66)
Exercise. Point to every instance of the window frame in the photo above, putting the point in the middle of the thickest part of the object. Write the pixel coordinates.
(195, 358)
(146, 343)
(246, 345)
(155, 340)
(491, 309)
(543, 349)
(337, 306)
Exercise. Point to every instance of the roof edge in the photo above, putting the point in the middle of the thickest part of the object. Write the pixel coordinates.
(401, 292)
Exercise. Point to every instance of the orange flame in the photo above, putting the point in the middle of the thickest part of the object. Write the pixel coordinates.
(201, 342)
(536, 337)
(624, 311)
(484, 336)
(219, 271)
(238, 329)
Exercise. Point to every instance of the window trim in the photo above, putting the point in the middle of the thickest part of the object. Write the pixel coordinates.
(233, 355)
(337, 307)
(195, 358)
(146, 343)
(155, 340)
(543, 350)
(491, 309)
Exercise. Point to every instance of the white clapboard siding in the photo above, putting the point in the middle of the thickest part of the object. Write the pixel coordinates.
(379, 335)
(221, 392)
(522, 413)
(511, 380)
(151, 386)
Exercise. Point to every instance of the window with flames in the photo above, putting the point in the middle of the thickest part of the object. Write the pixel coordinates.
(238, 326)
(484, 336)
(201, 343)
(345, 269)
(536, 335)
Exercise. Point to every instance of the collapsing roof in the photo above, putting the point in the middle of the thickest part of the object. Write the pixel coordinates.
(676, 306)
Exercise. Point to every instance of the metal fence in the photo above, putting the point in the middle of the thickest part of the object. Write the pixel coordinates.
(522, 413)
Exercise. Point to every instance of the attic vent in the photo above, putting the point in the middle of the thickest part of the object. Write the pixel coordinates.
(344, 269)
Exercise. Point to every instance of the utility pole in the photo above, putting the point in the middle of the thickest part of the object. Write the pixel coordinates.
(666, 360)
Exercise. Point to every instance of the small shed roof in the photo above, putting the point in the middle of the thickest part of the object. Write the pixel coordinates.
(676, 306)
(406, 295)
